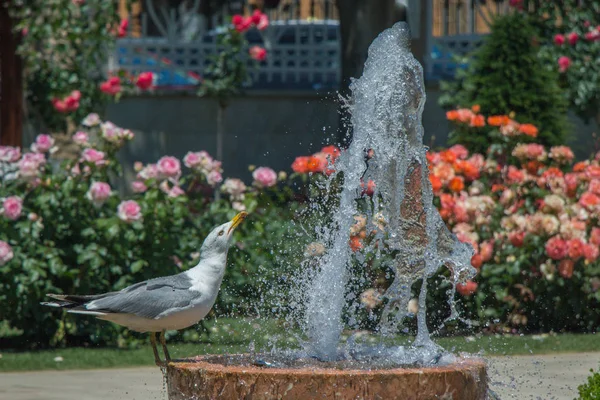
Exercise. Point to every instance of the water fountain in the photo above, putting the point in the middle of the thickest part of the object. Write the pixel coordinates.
(387, 147)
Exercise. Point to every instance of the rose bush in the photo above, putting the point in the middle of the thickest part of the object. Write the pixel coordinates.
(530, 214)
(67, 229)
(569, 32)
(532, 219)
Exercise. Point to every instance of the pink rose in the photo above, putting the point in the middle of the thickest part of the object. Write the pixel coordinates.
(595, 236)
(487, 251)
(459, 151)
(9, 154)
(43, 143)
(129, 211)
(234, 187)
(30, 164)
(144, 80)
(122, 30)
(264, 177)
(594, 186)
(260, 20)
(214, 177)
(91, 120)
(241, 23)
(575, 248)
(562, 154)
(564, 63)
(169, 167)
(98, 193)
(516, 238)
(516, 3)
(589, 200)
(81, 138)
(466, 289)
(573, 38)
(138, 187)
(556, 248)
(112, 86)
(257, 53)
(127, 134)
(592, 36)
(559, 39)
(150, 171)
(110, 132)
(12, 207)
(6, 253)
(590, 252)
(176, 191)
(93, 156)
(193, 159)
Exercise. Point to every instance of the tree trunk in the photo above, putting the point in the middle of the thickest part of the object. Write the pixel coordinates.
(11, 82)
(360, 23)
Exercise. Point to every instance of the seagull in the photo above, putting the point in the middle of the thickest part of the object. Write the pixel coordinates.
(167, 303)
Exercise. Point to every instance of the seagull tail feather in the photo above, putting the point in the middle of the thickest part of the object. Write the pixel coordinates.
(74, 303)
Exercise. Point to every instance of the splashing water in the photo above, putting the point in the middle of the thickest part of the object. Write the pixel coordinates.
(387, 148)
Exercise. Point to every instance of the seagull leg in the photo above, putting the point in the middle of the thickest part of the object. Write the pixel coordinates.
(157, 359)
(163, 341)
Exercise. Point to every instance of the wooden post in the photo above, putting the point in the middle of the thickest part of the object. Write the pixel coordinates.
(11, 82)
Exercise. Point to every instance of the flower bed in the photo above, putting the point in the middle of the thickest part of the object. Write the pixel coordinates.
(65, 229)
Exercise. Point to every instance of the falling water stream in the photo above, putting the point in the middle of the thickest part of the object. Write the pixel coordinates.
(386, 107)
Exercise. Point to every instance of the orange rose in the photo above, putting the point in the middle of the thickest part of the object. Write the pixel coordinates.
(448, 156)
(528, 129)
(477, 121)
(355, 243)
(470, 171)
(466, 289)
(565, 268)
(452, 115)
(436, 183)
(498, 120)
(477, 261)
(456, 184)
(332, 151)
(580, 166)
(300, 165)
(317, 162)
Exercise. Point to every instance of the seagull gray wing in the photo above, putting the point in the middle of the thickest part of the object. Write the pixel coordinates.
(149, 299)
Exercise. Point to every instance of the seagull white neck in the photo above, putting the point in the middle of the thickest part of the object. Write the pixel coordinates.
(208, 274)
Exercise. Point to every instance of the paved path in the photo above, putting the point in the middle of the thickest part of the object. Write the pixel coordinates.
(523, 377)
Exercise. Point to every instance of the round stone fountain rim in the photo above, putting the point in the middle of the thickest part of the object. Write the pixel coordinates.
(199, 363)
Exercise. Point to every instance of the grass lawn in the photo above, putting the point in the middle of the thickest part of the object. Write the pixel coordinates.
(236, 336)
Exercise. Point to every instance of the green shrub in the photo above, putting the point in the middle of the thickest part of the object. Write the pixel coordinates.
(569, 33)
(59, 236)
(505, 76)
(591, 389)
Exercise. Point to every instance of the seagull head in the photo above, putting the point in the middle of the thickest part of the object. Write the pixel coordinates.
(219, 239)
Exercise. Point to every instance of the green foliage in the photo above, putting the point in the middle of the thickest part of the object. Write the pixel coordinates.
(581, 80)
(63, 242)
(505, 76)
(64, 45)
(227, 72)
(591, 389)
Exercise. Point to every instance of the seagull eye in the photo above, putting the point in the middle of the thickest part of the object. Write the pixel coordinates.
(221, 233)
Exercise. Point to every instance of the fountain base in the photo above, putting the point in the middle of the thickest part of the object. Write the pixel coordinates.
(206, 378)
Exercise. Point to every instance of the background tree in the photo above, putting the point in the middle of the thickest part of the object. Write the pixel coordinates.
(507, 75)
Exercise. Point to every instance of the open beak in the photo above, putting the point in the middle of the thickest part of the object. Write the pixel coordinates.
(238, 219)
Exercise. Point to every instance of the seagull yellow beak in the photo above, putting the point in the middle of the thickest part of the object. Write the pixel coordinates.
(238, 219)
